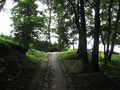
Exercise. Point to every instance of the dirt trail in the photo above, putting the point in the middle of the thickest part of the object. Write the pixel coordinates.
(59, 79)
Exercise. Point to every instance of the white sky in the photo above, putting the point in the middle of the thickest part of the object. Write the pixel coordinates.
(5, 20)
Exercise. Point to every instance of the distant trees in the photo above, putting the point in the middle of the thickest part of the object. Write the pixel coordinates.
(63, 35)
(48, 12)
(62, 24)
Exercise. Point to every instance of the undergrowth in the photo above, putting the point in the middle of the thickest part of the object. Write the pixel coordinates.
(34, 55)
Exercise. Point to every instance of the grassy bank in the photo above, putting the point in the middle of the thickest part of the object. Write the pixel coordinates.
(7, 39)
(72, 64)
(16, 67)
(115, 57)
(72, 54)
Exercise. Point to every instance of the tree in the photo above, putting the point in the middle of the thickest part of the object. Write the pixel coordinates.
(63, 24)
(79, 13)
(108, 28)
(63, 35)
(49, 10)
(114, 35)
(83, 37)
(25, 21)
(96, 33)
(49, 4)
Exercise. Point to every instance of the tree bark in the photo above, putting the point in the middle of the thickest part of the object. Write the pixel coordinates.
(80, 22)
(95, 52)
(83, 40)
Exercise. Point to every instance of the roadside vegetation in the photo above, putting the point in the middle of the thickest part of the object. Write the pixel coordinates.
(68, 21)
(7, 39)
(35, 56)
(17, 67)
(70, 60)
(72, 68)
(68, 55)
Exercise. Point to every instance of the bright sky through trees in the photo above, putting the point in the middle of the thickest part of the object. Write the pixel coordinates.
(6, 22)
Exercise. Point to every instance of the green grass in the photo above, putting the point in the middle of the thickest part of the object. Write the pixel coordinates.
(115, 57)
(67, 55)
(71, 54)
(34, 55)
(7, 39)
(71, 64)
(25, 64)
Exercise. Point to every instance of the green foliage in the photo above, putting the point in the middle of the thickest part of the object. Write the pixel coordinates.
(26, 20)
(64, 21)
(46, 46)
(15, 65)
(68, 55)
(35, 55)
(7, 39)
(63, 36)
(115, 57)
(71, 54)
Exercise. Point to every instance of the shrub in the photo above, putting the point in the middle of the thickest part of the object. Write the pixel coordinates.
(46, 46)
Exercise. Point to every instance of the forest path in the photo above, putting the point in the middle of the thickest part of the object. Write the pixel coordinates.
(58, 82)
(58, 79)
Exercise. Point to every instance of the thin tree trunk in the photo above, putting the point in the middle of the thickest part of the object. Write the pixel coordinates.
(73, 44)
(109, 32)
(77, 22)
(49, 23)
(95, 52)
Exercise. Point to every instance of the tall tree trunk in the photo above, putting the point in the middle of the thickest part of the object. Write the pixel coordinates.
(79, 13)
(95, 52)
(83, 30)
(114, 34)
